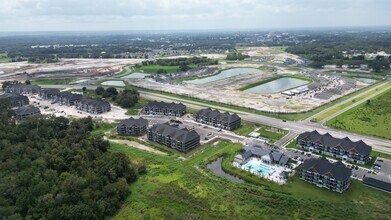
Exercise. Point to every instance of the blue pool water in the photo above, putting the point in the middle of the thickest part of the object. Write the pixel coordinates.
(257, 167)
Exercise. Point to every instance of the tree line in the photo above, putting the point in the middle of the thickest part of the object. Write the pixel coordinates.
(126, 99)
(54, 168)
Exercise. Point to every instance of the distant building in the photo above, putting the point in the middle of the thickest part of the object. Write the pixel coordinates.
(66, 98)
(22, 89)
(180, 139)
(48, 93)
(93, 106)
(163, 108)
(267, 156)
(15, 100)
(345, 149)
(217, 119)
(322, 173)
(25, 112)
(132, 126)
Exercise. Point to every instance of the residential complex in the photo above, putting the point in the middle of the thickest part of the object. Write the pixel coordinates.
(25, 112)
(15, 100)
(265, 155)
(132, 126)
(66, 98)
(322, 173)
(163, 108)
(215, 118)
(48, 93)
(345, 149)
(23, 89)
(174, 137)
(93, 106)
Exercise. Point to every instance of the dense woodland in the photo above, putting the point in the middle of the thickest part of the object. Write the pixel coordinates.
(335, 48)
(54, 168)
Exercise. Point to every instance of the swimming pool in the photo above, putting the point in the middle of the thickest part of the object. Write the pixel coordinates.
(257, 166)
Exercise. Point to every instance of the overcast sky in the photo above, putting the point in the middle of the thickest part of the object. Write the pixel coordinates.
(64, 15)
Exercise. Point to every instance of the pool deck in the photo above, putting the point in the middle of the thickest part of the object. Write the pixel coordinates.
(274, 170)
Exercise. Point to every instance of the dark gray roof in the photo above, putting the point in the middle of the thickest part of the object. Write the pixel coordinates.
(284, 159)
(346, 144)
(182, 135)
(380, 184)
(94, 102)
(137, 122)
(27, 109)
(69, 95)
(50, 91)
(12, 96)
(162, 105)
(247, 154)
(324, 167)
(257, 151)
(209, 113)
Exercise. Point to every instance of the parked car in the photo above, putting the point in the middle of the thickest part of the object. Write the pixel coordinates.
(380, 160)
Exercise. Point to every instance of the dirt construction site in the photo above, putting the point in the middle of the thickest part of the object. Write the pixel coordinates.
(49, 108)
(65, 68)
(323, 88)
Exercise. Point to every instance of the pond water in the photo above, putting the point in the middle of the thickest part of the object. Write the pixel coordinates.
(277, 85)
(366, 80)
(135, 76)
(216, 169)
(113, 83)
(224, 74)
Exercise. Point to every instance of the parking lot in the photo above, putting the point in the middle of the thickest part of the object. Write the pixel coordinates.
(357, 172)
(383, 167)
(49, 108)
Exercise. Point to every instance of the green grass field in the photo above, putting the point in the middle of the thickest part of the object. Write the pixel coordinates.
(4, 58)
(183, 189)
(341, 107)
(370, 119)
(155, 68)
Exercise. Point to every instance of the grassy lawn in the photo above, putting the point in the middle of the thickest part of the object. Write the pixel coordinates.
(155, 68)
(370, 119)
(4, 58)
(249, 86)
(136, 108)
(245, 128)
(341, 107)
(273, 133)
(184, 189)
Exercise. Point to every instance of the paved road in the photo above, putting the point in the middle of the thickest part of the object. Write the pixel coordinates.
(354, 105)
(346, 101)
(378, 144)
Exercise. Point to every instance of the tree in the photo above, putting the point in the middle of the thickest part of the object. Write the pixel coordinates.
(99, 90)
(27, 82)
(84, 89)
(110, 92)
(128, 98)
(368, 102)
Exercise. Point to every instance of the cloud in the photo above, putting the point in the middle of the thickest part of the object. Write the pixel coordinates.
(19, 15)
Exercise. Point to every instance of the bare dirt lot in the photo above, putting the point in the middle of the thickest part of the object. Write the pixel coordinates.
(47, 108)
(64, 68)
